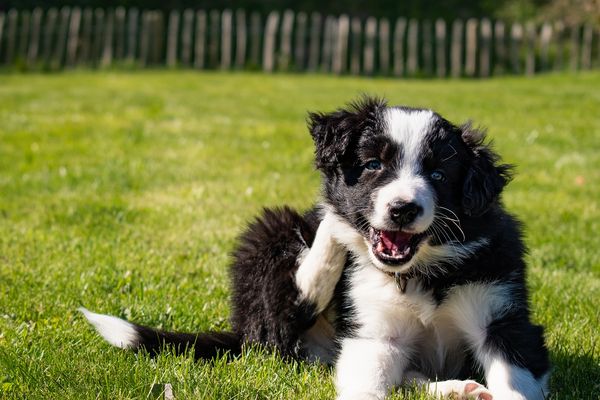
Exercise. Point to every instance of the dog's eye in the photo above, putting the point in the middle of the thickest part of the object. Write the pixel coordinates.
(373, 165)
(438, 175)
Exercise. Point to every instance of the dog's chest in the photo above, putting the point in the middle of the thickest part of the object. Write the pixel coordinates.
(383, 309)
(437, 332)
(413, 317)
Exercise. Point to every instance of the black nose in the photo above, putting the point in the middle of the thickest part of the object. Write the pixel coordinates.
(404, 213)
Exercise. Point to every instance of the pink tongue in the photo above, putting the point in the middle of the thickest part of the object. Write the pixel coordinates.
(394, 243)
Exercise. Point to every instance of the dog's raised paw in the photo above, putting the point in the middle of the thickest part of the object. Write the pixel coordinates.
(460, 390)
(474, 390)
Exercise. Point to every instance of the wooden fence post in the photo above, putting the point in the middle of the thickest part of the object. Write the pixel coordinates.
(559, 29)
(119, 52)
(457, 49)
(2, 19)
(213, 39)
(86, 36)
(369, 49)
(187, 37)
(328, 38)
(516, 37)
(471, 55)
(73, 41)
(545, 39)
(384, 46)
(586, 47)
(172, 38)
(356, 33)
(34, 45)
(11, 36)
(598, 52)
(158, 40)
(285, 55)
(484, 54)
(24, 35)
(530, 31)
(255, 39)
(412, 64)
(399, 37)
(151, 38)
(300, 42)
(427, 48)
(61, 40)
(132, 34)
(200, 40)
(440, 47)
(597, 63)
(145, 38)
(241, 38)
(315, 38)
(341, 47)
(270, 37)
(226, 38)
(499, 47)
(574, 48)
(49, 35)
(97, 35)
(107, 52)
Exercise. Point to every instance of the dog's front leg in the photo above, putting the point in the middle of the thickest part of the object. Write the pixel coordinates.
(502, 339)
(506, 380)
(368, 368)
(514, 357)
(321, 266)
(512, 353)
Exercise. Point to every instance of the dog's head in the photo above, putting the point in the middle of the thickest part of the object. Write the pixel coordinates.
(404, 178)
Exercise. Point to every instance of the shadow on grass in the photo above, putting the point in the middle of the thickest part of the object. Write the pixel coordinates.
(574, 376)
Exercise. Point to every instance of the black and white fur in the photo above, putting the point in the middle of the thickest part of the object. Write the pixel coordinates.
(408, 271)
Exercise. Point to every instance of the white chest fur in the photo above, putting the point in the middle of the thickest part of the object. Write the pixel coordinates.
(435, 334)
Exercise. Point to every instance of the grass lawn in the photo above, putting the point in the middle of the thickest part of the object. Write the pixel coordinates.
(124, 192)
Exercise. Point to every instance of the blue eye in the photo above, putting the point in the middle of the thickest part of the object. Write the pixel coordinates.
(373, 165)
(438, 175)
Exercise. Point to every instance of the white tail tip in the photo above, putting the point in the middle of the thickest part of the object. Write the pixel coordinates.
(114, 330)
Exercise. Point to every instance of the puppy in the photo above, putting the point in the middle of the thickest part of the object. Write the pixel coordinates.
(408, 271)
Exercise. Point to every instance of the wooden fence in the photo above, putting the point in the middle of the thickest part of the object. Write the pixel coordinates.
(289, 41)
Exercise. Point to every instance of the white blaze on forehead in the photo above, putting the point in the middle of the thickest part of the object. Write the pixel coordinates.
(409, 128)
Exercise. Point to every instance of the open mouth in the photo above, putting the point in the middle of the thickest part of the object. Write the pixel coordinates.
(394, 247)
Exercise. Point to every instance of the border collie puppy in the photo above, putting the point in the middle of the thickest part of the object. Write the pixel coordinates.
(408, 271)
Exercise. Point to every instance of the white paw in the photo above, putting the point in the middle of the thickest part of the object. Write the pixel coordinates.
(459, 390)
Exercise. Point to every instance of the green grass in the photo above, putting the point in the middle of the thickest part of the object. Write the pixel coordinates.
(124, 192)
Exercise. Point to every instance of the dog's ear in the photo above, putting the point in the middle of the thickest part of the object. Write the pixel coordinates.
(337, 133)
(485, 177)
(332, 135)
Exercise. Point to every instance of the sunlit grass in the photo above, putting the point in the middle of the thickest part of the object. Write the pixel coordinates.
(124, 193)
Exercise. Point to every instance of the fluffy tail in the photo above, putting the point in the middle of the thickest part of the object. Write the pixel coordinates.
(126, 335)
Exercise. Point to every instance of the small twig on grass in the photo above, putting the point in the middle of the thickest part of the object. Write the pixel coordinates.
(160, 391)
(169, 392)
